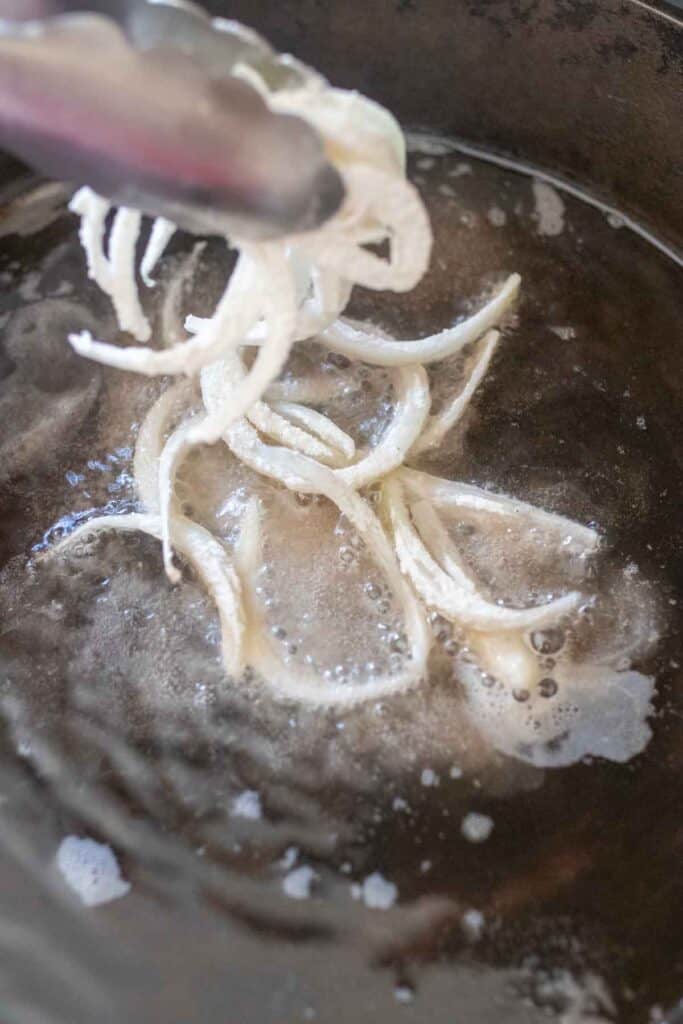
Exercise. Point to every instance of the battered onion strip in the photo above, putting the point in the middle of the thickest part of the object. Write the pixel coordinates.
(361, 343)
(206, 554)
(270, 422)
(438, 426)
(172, 455)
(322, 296)
(298, 473)
(208, 558)
(445, 593)
(237, 311)
(438, 542)
(329, 295)
(411, 408)
(114, 275)
(280, 312)
(125, 232)
(281, 293)
(449, 496)
(150, 441)
(161, 234)
(93, 211)
(329, 298)
(394, 205)
(395, 211)
(235, 401)
(318, 424)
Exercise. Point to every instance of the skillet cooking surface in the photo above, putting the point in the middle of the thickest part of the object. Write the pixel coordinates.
(115, 723)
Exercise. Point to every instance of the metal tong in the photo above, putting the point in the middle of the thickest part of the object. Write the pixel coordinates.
(137, 100)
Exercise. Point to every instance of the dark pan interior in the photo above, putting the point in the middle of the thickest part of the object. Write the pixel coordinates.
(580, 884)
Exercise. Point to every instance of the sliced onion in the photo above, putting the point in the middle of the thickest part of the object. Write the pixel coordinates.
(438, 426)
(280, 310)
(150, 442)
(161, 234)
(371, 347)
(447, 594)
(273, 424)
(395, 205)
(299, 473)
(93, 211)
(236, 312)
(318, 424)
(172, 455)
(125, 232)
(411, 408)
(284, 292)
(450, 495)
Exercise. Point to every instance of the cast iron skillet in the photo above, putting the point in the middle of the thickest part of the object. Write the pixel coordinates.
(591, 92)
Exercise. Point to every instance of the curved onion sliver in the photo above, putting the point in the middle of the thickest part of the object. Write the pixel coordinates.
(450, 495)
(446, 593)
(208, 558)
(358, 342)
(438, 426)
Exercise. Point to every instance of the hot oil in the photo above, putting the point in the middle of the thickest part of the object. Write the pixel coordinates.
(119, 723)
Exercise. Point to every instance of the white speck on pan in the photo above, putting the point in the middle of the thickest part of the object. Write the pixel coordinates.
(378, 893)
(476, 827)
(566, 332)
(247, 805)
(91, 870)
(289, 858)
(497, 217)
(297, 884)
(403, 994)
(549, 209)
(460, 170)
(473, 923)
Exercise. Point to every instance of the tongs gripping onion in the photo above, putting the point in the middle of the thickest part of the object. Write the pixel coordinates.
(141, 102)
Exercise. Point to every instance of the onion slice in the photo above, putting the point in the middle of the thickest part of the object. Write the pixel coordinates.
(358, 342)
(208, 558)
(438, 426)
(448, 594)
